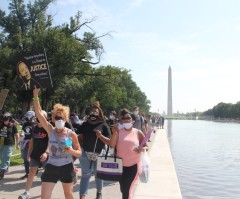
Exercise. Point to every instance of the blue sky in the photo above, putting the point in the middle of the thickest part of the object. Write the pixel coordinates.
(199, 39)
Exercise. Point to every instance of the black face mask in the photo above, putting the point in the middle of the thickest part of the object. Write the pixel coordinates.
(93, 117)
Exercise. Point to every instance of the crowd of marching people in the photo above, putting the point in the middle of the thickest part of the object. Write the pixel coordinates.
(55, 142)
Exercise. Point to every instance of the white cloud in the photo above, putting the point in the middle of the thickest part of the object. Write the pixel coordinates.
(136, 3)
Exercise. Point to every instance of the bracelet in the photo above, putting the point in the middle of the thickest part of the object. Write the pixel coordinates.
(36, 99)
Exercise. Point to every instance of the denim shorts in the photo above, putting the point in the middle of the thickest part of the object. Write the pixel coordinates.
(65, 173)
(37, 163)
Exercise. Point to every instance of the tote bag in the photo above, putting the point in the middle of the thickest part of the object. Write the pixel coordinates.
(109, 167)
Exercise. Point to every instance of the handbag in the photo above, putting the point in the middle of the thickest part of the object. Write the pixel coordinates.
(145, 163)
(92, 156)
(109, 167)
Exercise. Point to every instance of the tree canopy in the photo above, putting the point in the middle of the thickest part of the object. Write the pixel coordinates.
(72, 59)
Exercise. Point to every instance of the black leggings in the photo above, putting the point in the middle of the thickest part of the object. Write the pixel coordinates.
(129, 174)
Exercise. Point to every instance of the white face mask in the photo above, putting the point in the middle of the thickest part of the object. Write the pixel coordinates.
(127, 125)
(59, 124)
(112, 117)
(120, 126)
(135, 112)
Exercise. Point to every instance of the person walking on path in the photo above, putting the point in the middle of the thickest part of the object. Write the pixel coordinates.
(127, 141)
(63, 144)
(92, 146)
(139, 122)
(161, 122)
(37, 154)
(8, 137)
(26, 130)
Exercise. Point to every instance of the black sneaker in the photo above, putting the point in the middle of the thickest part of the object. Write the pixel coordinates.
(99, 195)
(6, 171)
(1, 175)
(24, 177)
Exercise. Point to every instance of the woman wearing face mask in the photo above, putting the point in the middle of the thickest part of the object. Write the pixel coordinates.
(60, 164)
(127, 141)
(8, 137)
(92, 146)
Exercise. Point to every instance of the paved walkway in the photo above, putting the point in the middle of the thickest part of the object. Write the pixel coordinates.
(163, 183)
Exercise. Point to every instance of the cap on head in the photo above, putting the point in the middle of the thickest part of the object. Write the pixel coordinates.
(30, 114)
(7, 114)
(44, 113)
(76, 119)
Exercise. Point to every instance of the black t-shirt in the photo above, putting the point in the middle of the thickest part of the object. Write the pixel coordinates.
(76, 128)
(89, 136)
(40, 142)
(7, 133)
(27, 128)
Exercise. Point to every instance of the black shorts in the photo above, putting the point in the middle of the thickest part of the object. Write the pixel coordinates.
(63, 173)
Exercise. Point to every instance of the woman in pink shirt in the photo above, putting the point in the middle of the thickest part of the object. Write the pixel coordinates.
(127, 141)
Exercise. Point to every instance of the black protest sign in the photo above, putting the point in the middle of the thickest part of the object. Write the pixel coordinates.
(33, 70)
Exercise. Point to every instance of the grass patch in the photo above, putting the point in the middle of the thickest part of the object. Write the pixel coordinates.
(16, 158)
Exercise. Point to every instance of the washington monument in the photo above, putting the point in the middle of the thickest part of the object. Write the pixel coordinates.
(169, 104)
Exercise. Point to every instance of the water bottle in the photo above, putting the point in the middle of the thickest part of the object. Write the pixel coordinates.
(68, 143)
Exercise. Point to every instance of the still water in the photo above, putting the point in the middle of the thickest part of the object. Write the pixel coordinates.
(206, 155)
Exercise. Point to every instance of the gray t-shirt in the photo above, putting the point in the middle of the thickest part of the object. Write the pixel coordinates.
(138, 123)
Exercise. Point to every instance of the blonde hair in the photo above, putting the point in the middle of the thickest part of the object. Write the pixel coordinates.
(59, 108)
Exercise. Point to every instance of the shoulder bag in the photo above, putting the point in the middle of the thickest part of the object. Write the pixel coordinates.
(109, 167)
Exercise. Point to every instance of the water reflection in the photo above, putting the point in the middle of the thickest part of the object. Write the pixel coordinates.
(206, 158)
(169, 128)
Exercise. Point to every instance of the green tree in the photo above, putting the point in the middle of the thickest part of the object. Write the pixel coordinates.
(28, 28)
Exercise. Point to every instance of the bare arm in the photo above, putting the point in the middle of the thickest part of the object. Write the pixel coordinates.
(103, 138)
(141, 137)
(38, 110)
(76, 150)
(114, 137)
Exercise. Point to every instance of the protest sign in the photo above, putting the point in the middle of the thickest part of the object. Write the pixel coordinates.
(33, 70)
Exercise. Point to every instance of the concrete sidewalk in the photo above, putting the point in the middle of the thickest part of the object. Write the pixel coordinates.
(163, 183)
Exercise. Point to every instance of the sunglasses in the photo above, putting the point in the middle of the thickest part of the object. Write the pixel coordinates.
(58, 118)
(5, 118)
(126, 118)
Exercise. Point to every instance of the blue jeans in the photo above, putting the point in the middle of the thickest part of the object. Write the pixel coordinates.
(5, 155)
(87, 173)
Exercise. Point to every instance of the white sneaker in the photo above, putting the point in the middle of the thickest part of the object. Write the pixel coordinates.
(25, 195)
